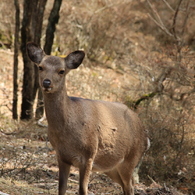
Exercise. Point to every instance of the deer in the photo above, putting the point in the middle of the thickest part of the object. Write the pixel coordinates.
(92, 135)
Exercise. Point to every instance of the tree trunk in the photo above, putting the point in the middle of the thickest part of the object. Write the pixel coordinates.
(51, 27)
(31, 31)
(28, 78)
(16, 50)
(38, 21)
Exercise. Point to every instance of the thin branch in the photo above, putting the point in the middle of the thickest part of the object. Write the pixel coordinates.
(158, 21)
(174, 20)
(168, 5)
(155, 12)
(143, 98)
(106, 7)
(186, 18)
(160, 26)
(159, 88)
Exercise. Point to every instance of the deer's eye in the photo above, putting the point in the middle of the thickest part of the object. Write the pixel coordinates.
(40, 68)
(61, 72)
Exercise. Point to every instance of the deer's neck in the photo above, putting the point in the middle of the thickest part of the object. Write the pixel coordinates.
(57, 107)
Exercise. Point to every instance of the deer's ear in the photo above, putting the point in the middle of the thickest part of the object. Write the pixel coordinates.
(74, 59)
(35, 53)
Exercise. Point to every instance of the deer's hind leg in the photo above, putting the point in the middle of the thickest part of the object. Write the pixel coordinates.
(123, 178)
(114, 175)
(125, 170)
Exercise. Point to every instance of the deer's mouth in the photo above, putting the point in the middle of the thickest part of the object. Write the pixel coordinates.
(47, 89)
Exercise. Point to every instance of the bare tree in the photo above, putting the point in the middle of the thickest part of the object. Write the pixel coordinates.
(16, 50)
(51, 27)
(31, 31)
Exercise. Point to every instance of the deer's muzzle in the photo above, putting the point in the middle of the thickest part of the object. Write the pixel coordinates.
(46, 83)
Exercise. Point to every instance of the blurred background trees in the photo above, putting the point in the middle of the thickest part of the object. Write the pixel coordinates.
(151, 41)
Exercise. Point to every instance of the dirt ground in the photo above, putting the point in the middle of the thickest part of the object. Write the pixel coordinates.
(27, 160)
(28, 166)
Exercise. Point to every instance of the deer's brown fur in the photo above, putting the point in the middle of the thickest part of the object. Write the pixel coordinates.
(89, 134)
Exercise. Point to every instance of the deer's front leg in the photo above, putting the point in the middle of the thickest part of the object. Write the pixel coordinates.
(84, 172)
(64, 170)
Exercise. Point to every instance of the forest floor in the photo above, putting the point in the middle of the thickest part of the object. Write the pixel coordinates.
(29, 167)
(27, 160)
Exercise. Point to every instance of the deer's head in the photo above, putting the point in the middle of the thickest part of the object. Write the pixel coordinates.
(53, 69)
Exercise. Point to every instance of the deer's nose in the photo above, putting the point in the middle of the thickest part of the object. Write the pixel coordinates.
(46, 83)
